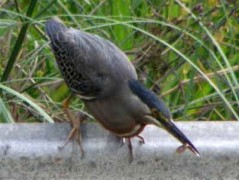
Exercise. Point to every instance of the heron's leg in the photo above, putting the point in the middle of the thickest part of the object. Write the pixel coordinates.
(75, 122)
(141, 139)
(131, 155)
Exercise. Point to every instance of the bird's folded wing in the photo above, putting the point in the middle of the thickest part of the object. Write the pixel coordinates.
(72, 59)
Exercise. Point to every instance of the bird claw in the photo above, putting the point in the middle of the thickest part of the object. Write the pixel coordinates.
(75, 122)
(141, 139)
(74, 134)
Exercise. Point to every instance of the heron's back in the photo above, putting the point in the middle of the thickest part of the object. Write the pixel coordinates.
(91, 66)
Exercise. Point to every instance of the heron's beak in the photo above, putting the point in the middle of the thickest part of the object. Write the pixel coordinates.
(169, 126)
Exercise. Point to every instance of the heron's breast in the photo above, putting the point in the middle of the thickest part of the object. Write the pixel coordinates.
(116, 118)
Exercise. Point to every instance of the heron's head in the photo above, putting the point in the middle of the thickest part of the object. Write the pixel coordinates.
(157, 106)
(160, 113)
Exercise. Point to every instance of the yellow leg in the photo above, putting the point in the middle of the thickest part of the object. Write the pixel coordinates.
(75, 122)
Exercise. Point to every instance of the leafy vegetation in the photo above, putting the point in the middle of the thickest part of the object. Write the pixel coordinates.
(186, 51)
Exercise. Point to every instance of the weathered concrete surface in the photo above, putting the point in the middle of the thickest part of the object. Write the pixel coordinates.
(30, 151)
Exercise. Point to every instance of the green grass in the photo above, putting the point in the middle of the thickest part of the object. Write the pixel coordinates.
(188, 51)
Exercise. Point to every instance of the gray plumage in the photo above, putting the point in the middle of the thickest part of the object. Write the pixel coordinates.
(79, 56)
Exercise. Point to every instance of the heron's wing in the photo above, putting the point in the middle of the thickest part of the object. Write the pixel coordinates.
(91, 65)
(67, 55)
(102, 61)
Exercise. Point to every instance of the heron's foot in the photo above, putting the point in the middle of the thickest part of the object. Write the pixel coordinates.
(75, 135)
(141, 139)
(75, 122)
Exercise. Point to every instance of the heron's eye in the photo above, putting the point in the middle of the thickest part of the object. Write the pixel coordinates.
(154, 112)
(157, 114)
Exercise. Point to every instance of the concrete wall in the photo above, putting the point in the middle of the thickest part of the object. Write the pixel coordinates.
(30, 151)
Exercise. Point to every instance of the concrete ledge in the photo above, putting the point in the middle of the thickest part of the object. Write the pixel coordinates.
(30, 151)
